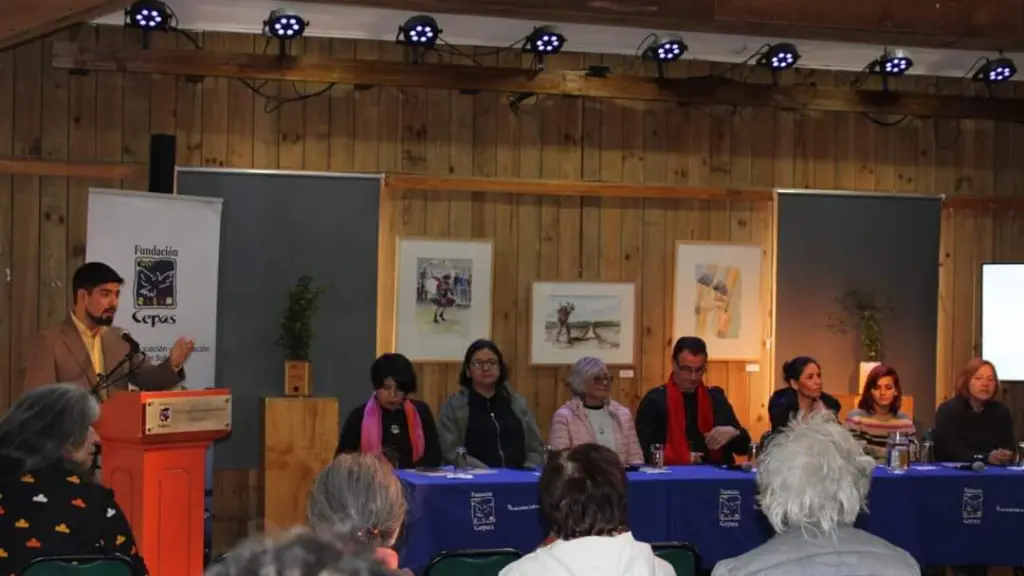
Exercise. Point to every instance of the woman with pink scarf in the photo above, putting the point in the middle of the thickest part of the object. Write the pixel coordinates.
(390, 422)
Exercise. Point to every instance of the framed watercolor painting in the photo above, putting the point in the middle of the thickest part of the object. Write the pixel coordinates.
(717, 296)
(442, 297)
(569, 320)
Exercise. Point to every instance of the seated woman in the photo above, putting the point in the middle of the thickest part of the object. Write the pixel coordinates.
(592, 416)
(390, 422)
(973, 425)
(50, 504)
(360, 491)
(802, 395)
(583, 500)
(878, 412)
(812, 484)
(487, 418)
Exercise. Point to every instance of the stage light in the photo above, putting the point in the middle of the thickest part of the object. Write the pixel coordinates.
(892, 63)
(284, 25)
(544, 40)
(665, 48)
(779, 56)
(995, 71)
(420, 31)
(148, 15)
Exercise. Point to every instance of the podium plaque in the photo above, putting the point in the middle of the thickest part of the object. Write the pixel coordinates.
(154, 459)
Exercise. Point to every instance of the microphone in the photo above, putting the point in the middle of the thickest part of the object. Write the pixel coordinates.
(976, 466)
(133, 345)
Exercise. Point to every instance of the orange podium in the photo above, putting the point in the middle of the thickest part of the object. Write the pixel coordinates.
(154, 459)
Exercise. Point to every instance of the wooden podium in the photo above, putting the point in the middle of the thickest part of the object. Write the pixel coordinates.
(154, 459)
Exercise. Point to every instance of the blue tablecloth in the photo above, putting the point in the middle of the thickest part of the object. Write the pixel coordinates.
(942, 516)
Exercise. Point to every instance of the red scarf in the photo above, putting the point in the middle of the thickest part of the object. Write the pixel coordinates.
(372, 430)
(677, 446)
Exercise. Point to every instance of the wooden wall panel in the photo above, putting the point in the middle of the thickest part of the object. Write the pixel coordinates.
(109, 117)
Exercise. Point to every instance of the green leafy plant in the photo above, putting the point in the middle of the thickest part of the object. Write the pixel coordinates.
(862, 312)
(296, 334)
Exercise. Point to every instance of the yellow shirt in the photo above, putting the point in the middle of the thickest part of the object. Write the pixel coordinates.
(93, 344)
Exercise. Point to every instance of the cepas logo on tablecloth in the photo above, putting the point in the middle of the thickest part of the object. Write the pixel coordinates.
(156, 285)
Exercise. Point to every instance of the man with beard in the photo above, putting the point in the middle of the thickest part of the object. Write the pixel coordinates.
(86, 345)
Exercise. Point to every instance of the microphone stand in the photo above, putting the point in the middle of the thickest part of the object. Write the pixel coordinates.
(103, 382)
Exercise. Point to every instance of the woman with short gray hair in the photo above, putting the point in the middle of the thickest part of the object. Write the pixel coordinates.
(51, 503)
(591, 416)
(362, 491)
(813, 480)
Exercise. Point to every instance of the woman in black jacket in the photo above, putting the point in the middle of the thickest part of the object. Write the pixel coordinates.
(802, 395)
(390, 422)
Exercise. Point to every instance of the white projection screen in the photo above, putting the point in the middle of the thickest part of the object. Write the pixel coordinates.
(1002, 319)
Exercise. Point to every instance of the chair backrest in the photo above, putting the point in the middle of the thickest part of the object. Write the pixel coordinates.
(683, 557)
(471, 562)
(79, 566)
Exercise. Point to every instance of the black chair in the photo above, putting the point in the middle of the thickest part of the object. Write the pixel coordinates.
(683, 557)
(114, 565)
(471, 562)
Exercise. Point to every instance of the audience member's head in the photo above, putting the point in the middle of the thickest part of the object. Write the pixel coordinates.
(302, 552)
(583, 492)
(359, 490)
(813, 476)
(589, 379)
(49, 425)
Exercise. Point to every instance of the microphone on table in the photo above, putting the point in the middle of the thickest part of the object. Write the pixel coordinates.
(976, 466)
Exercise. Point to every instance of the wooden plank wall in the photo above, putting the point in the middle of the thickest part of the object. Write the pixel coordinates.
(45, 113)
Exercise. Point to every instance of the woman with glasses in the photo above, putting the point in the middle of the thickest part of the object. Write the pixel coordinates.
(390, 422)
(487, 418)
(591, 416)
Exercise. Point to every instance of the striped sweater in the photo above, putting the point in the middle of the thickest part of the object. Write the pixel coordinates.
(872, 430)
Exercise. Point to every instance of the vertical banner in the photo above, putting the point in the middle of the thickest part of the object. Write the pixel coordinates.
(167, 248)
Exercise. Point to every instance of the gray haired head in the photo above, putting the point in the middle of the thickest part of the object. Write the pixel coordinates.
(583, 371)
(359, 490)
(813, 476)
(304, 552)
(45, 425)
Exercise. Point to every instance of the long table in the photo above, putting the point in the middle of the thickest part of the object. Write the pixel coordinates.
(941, 515)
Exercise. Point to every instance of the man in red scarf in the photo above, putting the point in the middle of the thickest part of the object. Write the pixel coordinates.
(686, 416)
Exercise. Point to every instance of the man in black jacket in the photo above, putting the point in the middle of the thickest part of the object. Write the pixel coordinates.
(686, 416)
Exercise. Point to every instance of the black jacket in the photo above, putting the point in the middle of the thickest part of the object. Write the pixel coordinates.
(397, 446)
(783, 405)
(652, 423)
(961, 433)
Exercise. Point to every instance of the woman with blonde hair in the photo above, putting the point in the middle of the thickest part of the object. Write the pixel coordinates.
(591, 416)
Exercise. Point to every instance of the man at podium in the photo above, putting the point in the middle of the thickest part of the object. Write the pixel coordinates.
(86, 348)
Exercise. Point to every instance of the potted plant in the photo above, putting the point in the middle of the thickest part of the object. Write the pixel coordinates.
(862, 312)
(296, 334)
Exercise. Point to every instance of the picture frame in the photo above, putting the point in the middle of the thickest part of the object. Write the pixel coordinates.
(443, 297)
(569, 320)
(717, 297)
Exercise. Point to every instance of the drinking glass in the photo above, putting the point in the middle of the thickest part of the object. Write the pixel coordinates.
(899, 458)
(1018, 461)
(927, 452)
(657, 455)
(461, 460)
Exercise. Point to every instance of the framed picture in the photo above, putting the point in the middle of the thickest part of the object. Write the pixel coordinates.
(569, 320)
(442, 297)
(718, 298)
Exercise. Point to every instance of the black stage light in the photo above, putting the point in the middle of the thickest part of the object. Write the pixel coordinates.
(779, 56)
(420, 31)
(996, 70)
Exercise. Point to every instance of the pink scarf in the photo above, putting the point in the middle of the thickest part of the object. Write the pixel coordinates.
(370, 441)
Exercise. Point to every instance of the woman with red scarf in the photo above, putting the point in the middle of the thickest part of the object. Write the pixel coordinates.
(390, 422)
(686, 416)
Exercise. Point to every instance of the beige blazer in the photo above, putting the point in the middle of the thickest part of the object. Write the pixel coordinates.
(59, 355)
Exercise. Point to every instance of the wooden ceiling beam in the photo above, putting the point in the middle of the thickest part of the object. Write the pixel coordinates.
(22, 21)
(708, 91)
(969, 24)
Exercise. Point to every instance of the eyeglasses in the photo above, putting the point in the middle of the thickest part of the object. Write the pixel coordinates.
(484, 364)
(692, 370)
(603, 379)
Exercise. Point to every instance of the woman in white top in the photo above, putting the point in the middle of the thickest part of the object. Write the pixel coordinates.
(583, 499)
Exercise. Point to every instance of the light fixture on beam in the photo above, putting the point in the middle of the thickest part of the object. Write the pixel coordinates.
(149, 16)
(543, 41)
(890, 64)
(996, 70)
(664, 49)
(284, 26)
(420, 33)
(778, 57)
